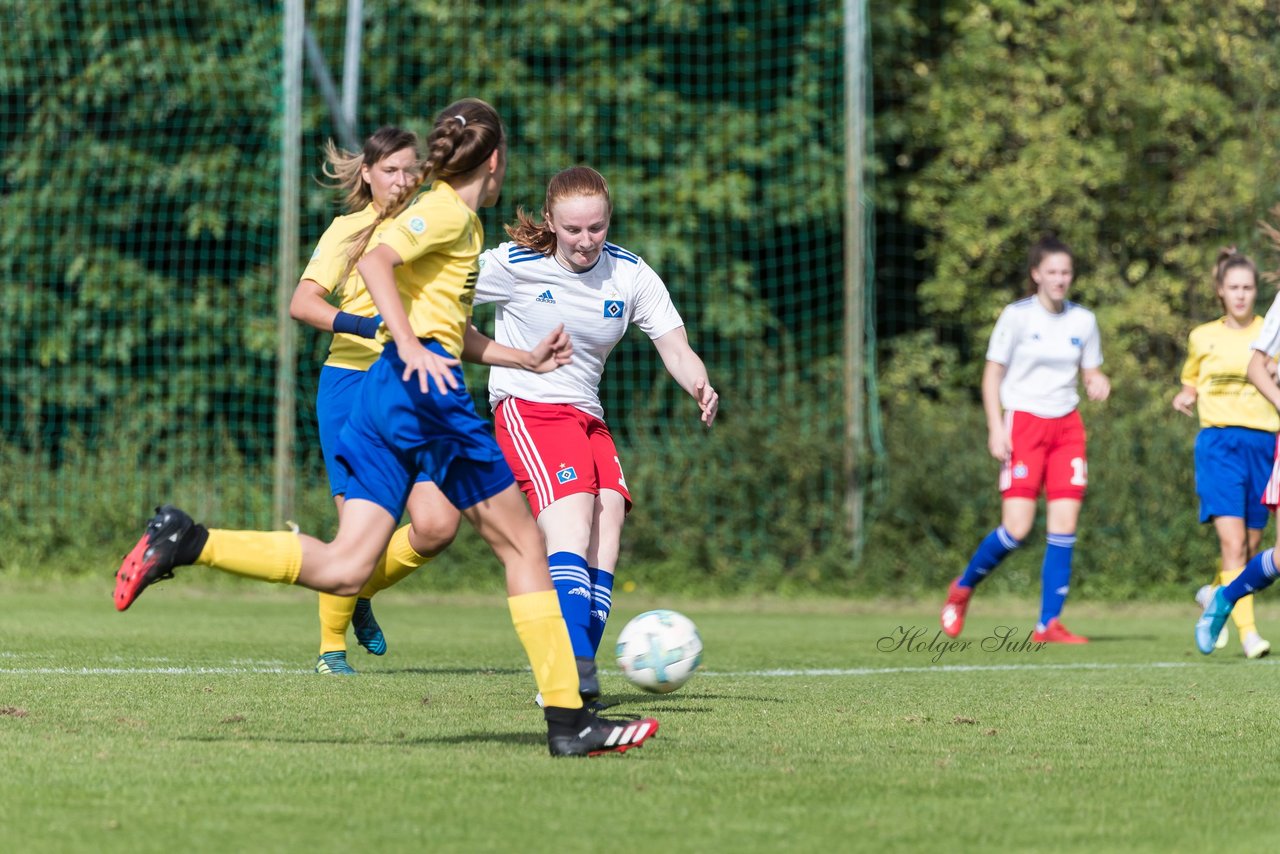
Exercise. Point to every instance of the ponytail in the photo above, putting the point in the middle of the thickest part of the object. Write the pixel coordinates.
(465, 134)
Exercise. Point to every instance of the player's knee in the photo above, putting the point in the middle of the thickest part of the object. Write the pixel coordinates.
(433, 536)
(346, 576)
(1233, 554)
(1019, 529)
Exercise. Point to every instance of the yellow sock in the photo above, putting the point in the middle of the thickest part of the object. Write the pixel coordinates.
(265, 555)
(335, 617)
(1242, 613)
(398, 561)
(545, 637)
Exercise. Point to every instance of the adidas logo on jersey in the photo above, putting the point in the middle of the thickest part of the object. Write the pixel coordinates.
(546, 296)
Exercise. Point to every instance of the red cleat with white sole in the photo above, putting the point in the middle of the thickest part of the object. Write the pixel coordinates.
(1055, 632)
(953, 612)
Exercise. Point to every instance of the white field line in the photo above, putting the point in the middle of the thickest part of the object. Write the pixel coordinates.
(963, 668)
(276, 668)
(129, 671)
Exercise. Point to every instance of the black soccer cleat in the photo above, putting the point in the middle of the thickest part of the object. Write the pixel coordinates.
(171, 539)
(591, 736)
(588, 680)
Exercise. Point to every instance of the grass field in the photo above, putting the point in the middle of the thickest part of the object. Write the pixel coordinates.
(193, 723)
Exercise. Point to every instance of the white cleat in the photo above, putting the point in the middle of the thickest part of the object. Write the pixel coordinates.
(1255, 646)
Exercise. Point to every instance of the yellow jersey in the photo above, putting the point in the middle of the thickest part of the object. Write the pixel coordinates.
(325, 269)
(1217, 359)
(439, 240)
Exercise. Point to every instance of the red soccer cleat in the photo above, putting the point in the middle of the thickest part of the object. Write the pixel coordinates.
(1055, 632)
(155, 555)
(953, 612)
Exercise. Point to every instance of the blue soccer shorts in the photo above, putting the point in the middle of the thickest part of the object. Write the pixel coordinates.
(1233, 465)
(398, 434)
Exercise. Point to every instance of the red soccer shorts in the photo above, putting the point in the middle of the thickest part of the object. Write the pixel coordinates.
(1046, 452)
(556, 449)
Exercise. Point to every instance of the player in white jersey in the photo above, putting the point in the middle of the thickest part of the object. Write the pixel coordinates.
(551, 428)
(1039, 347)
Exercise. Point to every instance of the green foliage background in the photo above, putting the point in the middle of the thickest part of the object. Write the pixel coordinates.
(1143, 134)
(139, 161)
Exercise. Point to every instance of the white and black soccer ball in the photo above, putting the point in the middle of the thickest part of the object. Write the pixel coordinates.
(659, 650)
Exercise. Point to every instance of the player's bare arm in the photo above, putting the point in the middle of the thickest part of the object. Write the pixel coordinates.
(551, 352)
(1259, 373)
(688, 370)
(1185, 400)
(1096, 384)
(997, 436)
(311, 306)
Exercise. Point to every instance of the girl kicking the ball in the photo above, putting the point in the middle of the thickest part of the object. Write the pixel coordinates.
(559, 268)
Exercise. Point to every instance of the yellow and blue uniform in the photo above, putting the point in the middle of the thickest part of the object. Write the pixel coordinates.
(326, 268)
(349, 355)
(341, 377)
(1235, 447)
(398, 432)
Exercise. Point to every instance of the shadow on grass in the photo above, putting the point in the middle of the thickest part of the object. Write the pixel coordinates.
(670, 702)
(507, 738)
(447, 671)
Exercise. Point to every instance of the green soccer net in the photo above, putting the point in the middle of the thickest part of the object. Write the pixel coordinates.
(142, 163)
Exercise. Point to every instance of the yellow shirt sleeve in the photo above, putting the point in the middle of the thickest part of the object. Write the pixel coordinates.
(1195, 355)
(328, 260)
(325, 268)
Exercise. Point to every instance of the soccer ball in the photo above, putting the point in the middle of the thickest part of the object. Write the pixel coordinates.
(659, 650)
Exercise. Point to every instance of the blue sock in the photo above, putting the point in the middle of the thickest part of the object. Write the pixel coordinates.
(993, 549)
(1258, 574)
(601, 604)
(573, 587)
(1055, 576)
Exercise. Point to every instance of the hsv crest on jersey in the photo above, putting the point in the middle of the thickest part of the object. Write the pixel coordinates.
(566, 475)
(613, 307)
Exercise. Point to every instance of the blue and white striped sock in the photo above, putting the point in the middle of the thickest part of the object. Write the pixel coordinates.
(1055, 576)
(573, 587)
(1258, 574)
(993, 549)
(601, 604)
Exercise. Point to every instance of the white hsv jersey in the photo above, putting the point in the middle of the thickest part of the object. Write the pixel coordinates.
(1042, 353)
(534, 293)
(1269, 338)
